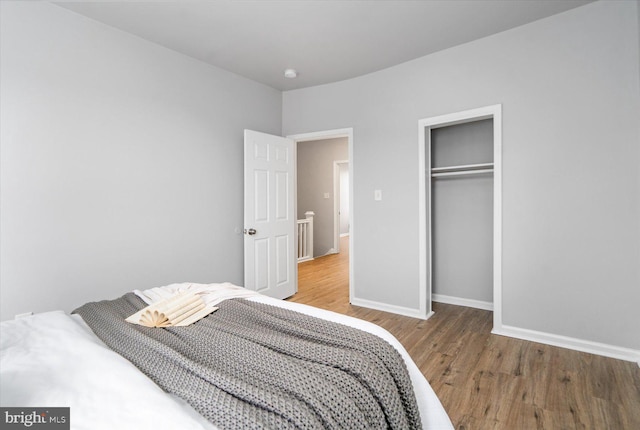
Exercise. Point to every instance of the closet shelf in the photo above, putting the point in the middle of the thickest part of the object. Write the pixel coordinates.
(467, 169)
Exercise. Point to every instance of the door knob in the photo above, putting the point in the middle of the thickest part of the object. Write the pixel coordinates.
(250, 231)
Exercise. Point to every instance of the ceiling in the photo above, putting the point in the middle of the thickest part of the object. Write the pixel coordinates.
(325, 41)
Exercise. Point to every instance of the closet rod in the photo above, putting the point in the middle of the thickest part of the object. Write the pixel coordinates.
(461, 172)
(462, 167)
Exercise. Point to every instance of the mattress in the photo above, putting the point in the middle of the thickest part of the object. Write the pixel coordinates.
(53, 359)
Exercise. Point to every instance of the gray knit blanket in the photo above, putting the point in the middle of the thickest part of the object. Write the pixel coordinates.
(256, 366)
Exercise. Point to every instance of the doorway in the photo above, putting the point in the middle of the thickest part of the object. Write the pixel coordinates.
(326, 196)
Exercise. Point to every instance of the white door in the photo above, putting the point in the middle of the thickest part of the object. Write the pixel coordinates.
(269, 215)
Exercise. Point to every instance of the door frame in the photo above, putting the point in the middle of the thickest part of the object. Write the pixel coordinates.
(337, 196)
(331, 134)
(424, 204)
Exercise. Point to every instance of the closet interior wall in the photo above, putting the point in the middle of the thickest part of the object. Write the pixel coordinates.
(460, 165)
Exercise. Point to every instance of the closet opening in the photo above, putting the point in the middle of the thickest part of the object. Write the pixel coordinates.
(461, 169)
(460, 209)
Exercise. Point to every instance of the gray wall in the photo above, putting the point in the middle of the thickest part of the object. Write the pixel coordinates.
(121, 162)
(315, 178)
(570, 90)
(462, 213)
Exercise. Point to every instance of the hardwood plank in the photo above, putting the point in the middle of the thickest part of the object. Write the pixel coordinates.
(486, 381)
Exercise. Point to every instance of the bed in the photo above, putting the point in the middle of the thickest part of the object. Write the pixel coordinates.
(54, 359)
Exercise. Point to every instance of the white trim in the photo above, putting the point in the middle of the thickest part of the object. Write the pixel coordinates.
(424, 204)
(497, 216)
(424, 209)
(400, 310)
(321, 135)
(582, 345)
(459, 301)
(336, 202)
(330, 134)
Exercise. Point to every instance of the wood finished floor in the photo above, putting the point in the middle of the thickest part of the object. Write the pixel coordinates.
(486, 381)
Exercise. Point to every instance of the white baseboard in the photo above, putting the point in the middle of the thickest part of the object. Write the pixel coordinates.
(400, 310)
(302, 260)
(441, 298)
(626, 354)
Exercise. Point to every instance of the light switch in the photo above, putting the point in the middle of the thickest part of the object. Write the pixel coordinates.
(326, 195)
(377, 195)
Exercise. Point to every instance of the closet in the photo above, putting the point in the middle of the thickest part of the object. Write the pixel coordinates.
(461, 169)
(460, 210)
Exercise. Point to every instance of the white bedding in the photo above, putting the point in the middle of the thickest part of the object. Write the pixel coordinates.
(53, 359)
